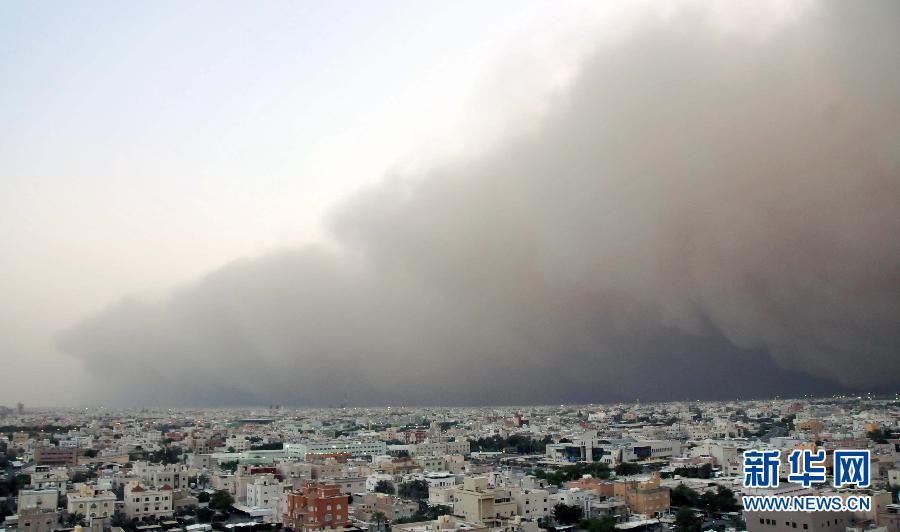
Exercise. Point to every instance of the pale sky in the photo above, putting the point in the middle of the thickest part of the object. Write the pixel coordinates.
(142, 144)
(551, 186)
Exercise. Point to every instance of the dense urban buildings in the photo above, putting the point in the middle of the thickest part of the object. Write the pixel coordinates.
(626, 466)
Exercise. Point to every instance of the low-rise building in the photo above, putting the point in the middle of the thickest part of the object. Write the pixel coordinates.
(43, 498)
(355, 448)
(644, 497)
(141, 501)
(532, 503)
(476, 501)
(318, 506)
(56, 456)
(38, 520)
(47, 477)
(392, 507)
(89, 502)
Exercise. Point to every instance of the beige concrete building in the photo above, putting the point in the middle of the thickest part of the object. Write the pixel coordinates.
(45, 498)
(647, 497)
(532, 504)
(38, 520)
(444, 523)
(392, 507)
(142, 501)
(475, 501)
(89, 502)
(46, 477)
(175, 475)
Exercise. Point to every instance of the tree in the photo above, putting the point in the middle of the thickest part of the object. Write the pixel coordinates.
(436, 511)
(221, 500)
(384, 486)
(567, 514)
(704, 471)
(606, 523)
(878, 435)
(11, 486)
(894, 489)
(517, 444)
(627, 468)
(722, 500)
(120, 520)
(687, 521)
(414, 489)
(204, 515)
(379, 519)
(203, 497)
(573, 472)
(6, 509)
(684, 496)
(170, 454)
(72, 519)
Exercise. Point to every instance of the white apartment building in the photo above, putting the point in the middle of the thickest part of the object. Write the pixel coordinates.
(532, 503)
(238, 442)
(267, 492)
(174, 475)
(573, 497)
(79, 442)
(440, 480)
(141, 501)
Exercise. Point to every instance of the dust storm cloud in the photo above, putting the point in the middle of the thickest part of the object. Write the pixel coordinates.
(700, 214)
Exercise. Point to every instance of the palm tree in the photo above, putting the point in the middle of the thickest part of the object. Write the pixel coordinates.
(378, 518)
